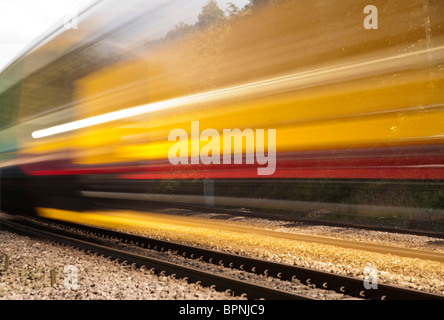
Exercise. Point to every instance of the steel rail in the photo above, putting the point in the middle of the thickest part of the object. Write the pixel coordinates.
(221, 283)
(326, 280)
(310, 221)
(285, 217)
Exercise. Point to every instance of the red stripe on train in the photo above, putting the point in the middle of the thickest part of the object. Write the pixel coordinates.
(391, 173)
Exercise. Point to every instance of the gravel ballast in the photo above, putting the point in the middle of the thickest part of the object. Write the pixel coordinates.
(412, 273)
(31, 261)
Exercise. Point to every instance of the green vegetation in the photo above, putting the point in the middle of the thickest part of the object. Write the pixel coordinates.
(395, 193)
(402, 195)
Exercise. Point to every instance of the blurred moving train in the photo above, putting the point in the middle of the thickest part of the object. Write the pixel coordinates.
(86, 113)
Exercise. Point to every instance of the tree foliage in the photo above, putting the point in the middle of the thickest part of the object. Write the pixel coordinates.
(211, 14)
(179, 30)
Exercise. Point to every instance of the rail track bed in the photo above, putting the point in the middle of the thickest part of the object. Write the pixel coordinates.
(162, 267)
(301, 218)
(316, 221)
(93, 239)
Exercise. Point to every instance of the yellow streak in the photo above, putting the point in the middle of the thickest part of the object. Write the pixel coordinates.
(201, 227)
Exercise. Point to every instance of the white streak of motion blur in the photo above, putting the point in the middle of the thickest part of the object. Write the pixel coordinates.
(288, 82)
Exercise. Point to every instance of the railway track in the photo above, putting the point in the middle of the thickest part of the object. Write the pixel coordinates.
(315, 278)
(220, 283)
(140, 205)
(313, 221)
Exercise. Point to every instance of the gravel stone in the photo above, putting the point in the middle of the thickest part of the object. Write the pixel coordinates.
(98, 278)
(408, 272)
(412, 273)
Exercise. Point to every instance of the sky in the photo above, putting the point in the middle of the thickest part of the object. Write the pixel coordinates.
(22, 21)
